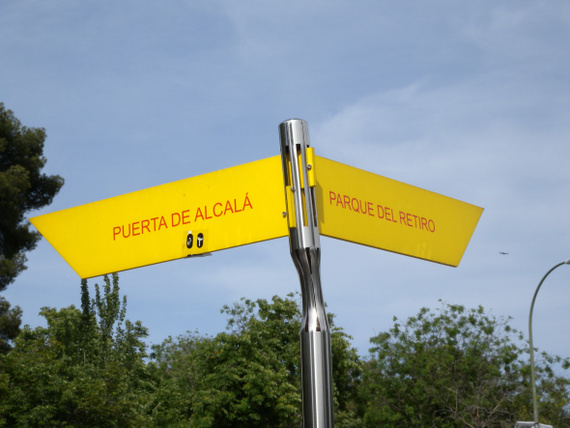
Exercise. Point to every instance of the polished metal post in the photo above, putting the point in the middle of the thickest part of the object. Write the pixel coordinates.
(316, 354)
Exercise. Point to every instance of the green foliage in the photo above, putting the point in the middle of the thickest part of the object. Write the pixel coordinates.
(455, 368)
(10, 319)
(347, 368)
(247, 376)
(22, 188)
(177, 369)
(250, 374)
(86, 368)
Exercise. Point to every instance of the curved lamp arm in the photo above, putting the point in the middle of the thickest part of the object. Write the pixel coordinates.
(532, 374)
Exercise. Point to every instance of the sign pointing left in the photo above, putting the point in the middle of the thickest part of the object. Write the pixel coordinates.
(198, 215)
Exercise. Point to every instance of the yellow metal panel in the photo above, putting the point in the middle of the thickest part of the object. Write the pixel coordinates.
(222, 209)
(365, 208)
(310, 170)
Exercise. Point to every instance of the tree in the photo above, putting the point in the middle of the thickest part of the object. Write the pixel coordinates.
(23, 187)
(248, 375)
(456, 367)
(86, 368)
(10, 320)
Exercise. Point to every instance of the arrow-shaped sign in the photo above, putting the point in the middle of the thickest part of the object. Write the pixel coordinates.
(366, 208)
(246, 204)
(210, 212)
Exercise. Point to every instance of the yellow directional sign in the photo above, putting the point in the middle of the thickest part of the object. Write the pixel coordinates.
(210, 212)
(365, 208)
(246, 204)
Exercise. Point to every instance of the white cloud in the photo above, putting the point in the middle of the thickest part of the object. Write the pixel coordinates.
(465, 99)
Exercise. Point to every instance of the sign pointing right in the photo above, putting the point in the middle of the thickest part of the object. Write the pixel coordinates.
(368, 209)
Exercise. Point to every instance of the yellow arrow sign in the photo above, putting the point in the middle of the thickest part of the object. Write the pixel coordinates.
(246, 204)
(210, 212)
(365, 208)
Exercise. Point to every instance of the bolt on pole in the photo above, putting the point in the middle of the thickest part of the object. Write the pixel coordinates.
(316, 354)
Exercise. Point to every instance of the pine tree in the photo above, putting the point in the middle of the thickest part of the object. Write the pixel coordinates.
(23, 187)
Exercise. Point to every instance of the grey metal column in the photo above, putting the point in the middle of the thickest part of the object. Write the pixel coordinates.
(316, 355)
(531, 345)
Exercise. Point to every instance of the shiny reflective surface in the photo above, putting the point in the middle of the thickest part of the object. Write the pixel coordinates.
(316, 355)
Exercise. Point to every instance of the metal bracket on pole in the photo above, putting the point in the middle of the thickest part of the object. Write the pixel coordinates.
(316, 354)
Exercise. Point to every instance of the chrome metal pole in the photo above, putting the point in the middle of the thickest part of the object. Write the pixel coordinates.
(316, 354)
(532, 373)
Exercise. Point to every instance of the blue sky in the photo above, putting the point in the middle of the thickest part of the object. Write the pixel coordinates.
(467, 99)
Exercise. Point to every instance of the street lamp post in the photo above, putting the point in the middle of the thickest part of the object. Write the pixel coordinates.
(532, 374)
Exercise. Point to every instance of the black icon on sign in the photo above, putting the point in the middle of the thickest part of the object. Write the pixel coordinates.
(190, 240)
(200, 240)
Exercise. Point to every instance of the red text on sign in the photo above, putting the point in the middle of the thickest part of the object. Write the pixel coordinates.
(136, 228)
(220, 209)
(184, 217)
(373, 209)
